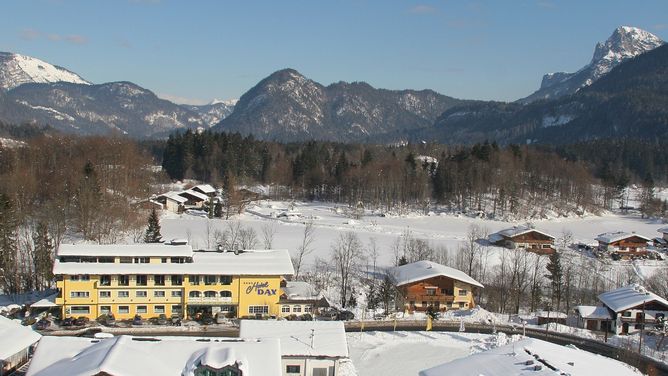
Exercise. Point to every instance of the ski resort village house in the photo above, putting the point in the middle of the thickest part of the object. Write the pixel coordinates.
(172, 201)
(16, 342)
(299, 298)
(154, 279)
(524, 237)
(131, 356)
(627, 245)
(425, 284)
(623, 311)
(662, 241)
(205, 189)
(308, 348)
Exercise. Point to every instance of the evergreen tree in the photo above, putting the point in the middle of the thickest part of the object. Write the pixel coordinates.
(403, 260)
(88, 200)
(9, 277)
(43, 256)
(555, 277)
(153, 231)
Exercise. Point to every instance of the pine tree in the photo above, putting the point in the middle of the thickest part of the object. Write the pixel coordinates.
(555, 277)
(403, 260)
(153, 231)
(9, 278)
(88, 200)
(43, 256)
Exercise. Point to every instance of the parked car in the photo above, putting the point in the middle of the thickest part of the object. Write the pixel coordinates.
(207, 320)
(137, 320)
(176, 320)
(221, 317)
(345, 315)
(68, 321)
(162, 319)
(81, 321)
(42, 324)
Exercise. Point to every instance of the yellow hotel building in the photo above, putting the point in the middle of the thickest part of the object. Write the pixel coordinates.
(153, 279)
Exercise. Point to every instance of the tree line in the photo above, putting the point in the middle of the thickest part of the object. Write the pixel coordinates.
(496, 181)
(54, 188)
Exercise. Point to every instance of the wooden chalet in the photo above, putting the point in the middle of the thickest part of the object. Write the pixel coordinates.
(530, 239)
(627, 245)
(633, 307)
(427, 285)
(206, 189)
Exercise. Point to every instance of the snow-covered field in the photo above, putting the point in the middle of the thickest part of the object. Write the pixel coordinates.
(446, 230)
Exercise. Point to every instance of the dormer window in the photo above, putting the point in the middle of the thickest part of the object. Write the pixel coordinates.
(233, 370)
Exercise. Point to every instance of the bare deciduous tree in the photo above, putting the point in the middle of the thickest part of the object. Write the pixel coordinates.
(346, 256)
(268, 231)
(305, 248)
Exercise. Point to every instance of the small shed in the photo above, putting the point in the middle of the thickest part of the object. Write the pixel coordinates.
(545, 317)
(16, 345)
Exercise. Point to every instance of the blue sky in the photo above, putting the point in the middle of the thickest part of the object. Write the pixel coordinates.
(194, 51)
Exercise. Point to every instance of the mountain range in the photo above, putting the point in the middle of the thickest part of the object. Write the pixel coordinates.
(603, 99)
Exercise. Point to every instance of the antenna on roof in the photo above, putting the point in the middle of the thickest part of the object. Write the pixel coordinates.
(312, 336)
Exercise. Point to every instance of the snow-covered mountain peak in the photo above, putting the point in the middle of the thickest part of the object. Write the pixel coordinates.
(625, 42)
(16, 69)
(226, 102)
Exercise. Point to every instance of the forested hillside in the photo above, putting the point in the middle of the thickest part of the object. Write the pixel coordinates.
(523, 181)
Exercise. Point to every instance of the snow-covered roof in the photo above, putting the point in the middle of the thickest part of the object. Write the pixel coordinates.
(628, 297)
(300, 338)
(299, 290)
(495, 237)
(125, 355)
(127, 250)
(521, 230)
(512, 360)
(250, 262)
(663, 230)
(195, 194)
(48, 302)
(610, 237)
(174, 196)
(420, 270)
(15, 337)
(205, 188)
(593, 312)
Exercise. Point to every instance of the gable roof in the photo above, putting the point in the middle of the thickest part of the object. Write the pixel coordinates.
(124, 355)
(421, 270)
(205, 188)
(521, 230)
(512, 359)
(15, 337)
(611, 237)
(593, 312)
(190, 192)
(628, 297)
(299, 290)
(174, 196)
(300, 338)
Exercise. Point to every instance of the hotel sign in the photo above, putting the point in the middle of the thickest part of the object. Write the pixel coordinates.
(259, 288)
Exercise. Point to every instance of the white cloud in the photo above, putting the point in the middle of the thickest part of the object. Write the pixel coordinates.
(422, 9)
(34, 34)
(182, 100)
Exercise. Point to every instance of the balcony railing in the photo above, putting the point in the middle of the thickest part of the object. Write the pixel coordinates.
(431, 298)
(209, 300)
